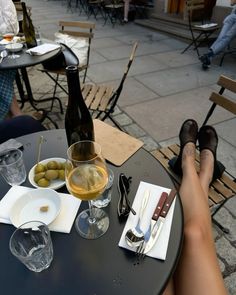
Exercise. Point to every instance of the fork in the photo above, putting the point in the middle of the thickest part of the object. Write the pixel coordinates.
(141, 248)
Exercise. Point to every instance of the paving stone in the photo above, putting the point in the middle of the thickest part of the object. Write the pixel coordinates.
(231, 205)
(123, 119)
(222, 265)
(224, 217)
(134, 130)
(230, 283)
(226, 250)
(149, 143)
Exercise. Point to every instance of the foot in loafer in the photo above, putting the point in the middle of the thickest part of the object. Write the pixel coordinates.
(188, 133)
(208, 140)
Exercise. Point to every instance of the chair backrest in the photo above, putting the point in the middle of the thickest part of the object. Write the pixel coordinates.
(194, 6)
(226, 100)
(79, 29)
(116, 94)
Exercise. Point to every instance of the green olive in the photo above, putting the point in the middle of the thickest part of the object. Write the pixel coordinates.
(43, 182)
(63, 165)
(39, 168)
(61, 174)
(52, 165)
(51, 174)
(38, 176)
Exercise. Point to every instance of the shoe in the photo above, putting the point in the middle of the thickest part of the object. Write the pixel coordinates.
(188, 133)
(208, 139)
(206, 61)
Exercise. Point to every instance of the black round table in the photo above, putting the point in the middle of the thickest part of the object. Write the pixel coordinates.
(20, 64)
(90, 267)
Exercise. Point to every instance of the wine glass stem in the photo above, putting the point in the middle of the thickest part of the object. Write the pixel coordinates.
(92, 218)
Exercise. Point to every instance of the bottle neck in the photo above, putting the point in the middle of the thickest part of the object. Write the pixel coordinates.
(75, 94)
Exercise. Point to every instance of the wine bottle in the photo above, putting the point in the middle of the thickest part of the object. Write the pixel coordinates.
(78, 121)
(28, 28)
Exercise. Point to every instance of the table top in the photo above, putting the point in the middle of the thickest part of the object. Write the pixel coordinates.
(26, 60)
(99, 266)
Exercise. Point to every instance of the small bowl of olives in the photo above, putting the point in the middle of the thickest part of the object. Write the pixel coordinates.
(49, 173)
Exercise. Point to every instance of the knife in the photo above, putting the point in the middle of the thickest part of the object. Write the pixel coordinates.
(156, 230)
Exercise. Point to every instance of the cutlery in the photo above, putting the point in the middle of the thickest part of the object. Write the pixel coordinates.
(2, 55)
(156, 230)
(135, 236)
(154, 218)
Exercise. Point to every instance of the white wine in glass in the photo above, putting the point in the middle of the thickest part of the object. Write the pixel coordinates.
(86, 179)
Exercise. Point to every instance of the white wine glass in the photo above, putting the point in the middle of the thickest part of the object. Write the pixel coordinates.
(86, 178)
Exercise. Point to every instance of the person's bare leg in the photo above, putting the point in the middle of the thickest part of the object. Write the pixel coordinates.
(206, 170)
(126, 9)
(169, 290)
(14, 108)
(198, 270)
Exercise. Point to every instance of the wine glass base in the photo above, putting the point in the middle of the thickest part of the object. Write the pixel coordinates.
(92, 228)
(13, 56)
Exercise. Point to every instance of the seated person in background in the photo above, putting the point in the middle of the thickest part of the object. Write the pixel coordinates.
(197, 271)
(19, 126)
(8, 24)
(228, 32)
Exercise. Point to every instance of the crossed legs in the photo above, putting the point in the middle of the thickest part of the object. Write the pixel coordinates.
(198, 270)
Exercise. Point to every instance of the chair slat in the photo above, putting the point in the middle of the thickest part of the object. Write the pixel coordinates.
(91, 95)
(96, 102)
(85, 25)
(223, 102)
(106, 99)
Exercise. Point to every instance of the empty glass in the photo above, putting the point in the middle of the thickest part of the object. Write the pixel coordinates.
(31, 244)
(105, 198)
(12, 167)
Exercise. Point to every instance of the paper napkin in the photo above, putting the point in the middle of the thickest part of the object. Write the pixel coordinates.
(159, 250)
(43, 49)
(63, 222)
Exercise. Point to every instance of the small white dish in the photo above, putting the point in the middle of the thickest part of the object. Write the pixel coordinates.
(54, 184)
(41, 204)
(14, 47)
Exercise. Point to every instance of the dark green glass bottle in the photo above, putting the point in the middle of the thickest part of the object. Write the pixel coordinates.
(28, 28)
(78, 121)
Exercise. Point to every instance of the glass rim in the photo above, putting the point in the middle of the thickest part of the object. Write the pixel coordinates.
(11, 164)
(98, 154)
(20, 228)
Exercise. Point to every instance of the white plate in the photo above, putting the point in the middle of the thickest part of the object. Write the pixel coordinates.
(27, 207)
(54, 184)
(14, 47)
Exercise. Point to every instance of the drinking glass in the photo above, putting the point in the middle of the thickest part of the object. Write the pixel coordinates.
(12, 167)
(32, 245)
(86, 178)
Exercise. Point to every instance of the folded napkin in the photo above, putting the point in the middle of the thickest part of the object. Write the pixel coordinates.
(159, 250)
(42, 49)
(64, 220)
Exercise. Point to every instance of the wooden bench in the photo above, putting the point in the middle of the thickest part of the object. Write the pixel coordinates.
(220, 190)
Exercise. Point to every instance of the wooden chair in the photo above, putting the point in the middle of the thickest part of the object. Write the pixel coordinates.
(114, 10)
(102, 99)
(224, 188)
(78, 31)
(201, 30)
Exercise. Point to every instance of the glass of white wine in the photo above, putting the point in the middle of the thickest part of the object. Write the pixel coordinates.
(86, 178)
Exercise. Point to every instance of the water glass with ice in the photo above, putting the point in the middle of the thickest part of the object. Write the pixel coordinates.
(12, 167)
(105, 198)
(32, 245)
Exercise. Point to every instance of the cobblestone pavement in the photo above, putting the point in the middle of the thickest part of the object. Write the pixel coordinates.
(163, 88)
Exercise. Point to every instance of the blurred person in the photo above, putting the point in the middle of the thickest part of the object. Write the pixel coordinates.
(8, 24)
(197, 271)
(126, 10)
(227, 33)
(19, 126)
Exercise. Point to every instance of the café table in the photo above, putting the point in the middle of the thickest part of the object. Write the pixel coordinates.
(90, 267)
(21, 64)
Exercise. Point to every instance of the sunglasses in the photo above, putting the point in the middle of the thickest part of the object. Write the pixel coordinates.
(124, 206)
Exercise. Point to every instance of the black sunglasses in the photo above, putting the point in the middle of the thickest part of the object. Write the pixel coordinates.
(124, 206)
